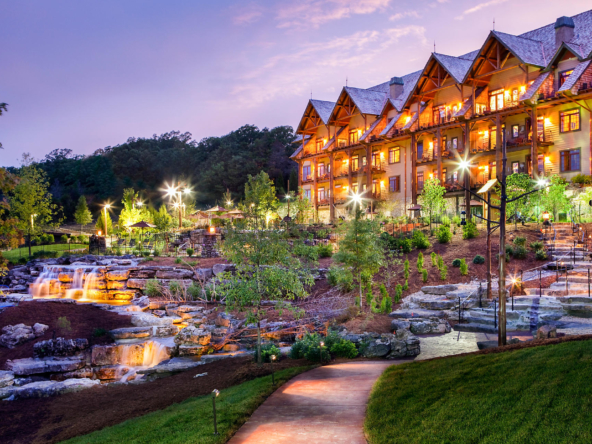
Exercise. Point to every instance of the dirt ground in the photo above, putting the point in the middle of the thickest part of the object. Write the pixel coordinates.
(50, 420)
(84, 319)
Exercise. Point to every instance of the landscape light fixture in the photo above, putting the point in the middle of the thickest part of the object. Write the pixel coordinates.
(139, 203)
(215, 394)
(273, 358)
(464, 164)
(463, 218)
(546, 218)
(322, 344)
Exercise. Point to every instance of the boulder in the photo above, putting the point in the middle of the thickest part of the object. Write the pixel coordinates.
(377, 348)
(14, 335)
(33, 366)
(146, 320)
(116, 285)
(110, 372)
(59, 347)
(131, 333)
(204, 273)
(45, 389)
(176, 274)
(400, 324)
(193, 335)
(224, 320)
(416, 313)
(218, 269)
(191, 350)
(168, 368)
(128, 354)
(6, 378)
(139, 284)
(546, 331)
(439, 289)
(117, 275)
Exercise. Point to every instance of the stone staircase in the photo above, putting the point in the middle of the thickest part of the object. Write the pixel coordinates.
(565, 244)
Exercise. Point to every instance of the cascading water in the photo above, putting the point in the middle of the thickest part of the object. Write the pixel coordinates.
(150, 353)
(84, 283)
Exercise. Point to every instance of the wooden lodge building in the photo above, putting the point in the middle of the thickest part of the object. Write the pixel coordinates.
(533, 91)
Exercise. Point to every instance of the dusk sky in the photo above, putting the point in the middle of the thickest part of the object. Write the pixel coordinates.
(85, 75)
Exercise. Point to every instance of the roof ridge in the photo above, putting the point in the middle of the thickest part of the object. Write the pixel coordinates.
(518, 36)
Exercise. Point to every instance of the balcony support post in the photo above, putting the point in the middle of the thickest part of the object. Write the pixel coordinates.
(331, 189)
(413, 170)
(316, 189)
(349, 171)
(498, 146)
(438, 153)
(534, 155)
(368, 171)
(467, 172)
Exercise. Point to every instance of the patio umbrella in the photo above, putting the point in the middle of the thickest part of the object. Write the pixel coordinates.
(236, 211)
(217, 209)
(142, 225)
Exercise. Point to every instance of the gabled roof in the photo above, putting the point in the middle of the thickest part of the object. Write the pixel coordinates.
(315, 109)
(390, 125)
(369, 130)
(534, 88)
(323, 108)
(455, 66)
(526, 50)
(368, 101)
(409, 83)
(574, 76)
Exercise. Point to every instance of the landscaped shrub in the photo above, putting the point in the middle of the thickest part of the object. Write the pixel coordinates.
(22, 260)
(64, 325)
(341, 277)
(434, 258)
(267, 350)
(456, 221)
(420, 240)
(304, 251)
(153, 288)
(325, 250)
(309, 346)
(178, 260)
(156, 252)
(420, 261)
(401, 244)
(444, 272)
(445, 220)
(44, 238)
(398, 293)
(537, 245)
(98, 332)
(478, 259)
(343, 349)
(520, 252)
(440, 262)
(582, 179)
(456, 263)
(509, 251)
(190, 252)
(540, 255)
(424, 275)
(519, 240)
(406, 269)
(194, 291)
(406, 286)
(470, 231)
(464, 268)
(444, 234)
(64, 238)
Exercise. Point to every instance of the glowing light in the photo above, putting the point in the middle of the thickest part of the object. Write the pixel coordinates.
(99, 232)
(187, 190)
(547, 121)
(407, 119)
(464, 164)
(212, 230)
(460, 105)
(228, 202)
(431, 175)
(176, 205)
(107, 206)
(139, 204)
(542, 183)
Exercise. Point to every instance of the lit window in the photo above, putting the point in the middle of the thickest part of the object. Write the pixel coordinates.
(515, 130)
(355, 163)
(444, 171)
(394, 155)
(570, 160)
(570, 120)
(355, 188)
(563, 76)
(515, 167)
(496, 100)
(515, 96)
(341, 143)
(454, 143)
(306, 172)
(363, 160)
(321, 169)
(455, 176)
(493, 171)
(419, 150)
(376, 160)
(395, 184)
(320, 144)
(353, 137)
(375, 187)
(307, 194)
(321, 194)
(419, 180)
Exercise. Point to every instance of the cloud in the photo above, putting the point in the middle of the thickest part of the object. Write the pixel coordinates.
(314, 13)
(292, 72)
(479, 7)
(400, 15)
(248, 15)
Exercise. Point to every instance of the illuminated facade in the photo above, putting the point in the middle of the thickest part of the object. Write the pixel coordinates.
(533, 91)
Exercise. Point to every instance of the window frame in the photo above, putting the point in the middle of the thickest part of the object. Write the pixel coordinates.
(418, 181)
(561, 113)
(353, 137)
(569, 152)
(516, 127)
(394, 149)
(397, 182)
(497, 93)
(560, 75)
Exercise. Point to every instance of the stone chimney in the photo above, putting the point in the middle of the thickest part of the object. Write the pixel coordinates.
(396, 87)
(564, 30)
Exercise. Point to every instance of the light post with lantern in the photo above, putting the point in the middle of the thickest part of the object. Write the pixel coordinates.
(106, 207)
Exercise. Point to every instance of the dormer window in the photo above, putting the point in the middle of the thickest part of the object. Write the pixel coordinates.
(320, 144)
(496, 100)
(353, 137)
(563, 76)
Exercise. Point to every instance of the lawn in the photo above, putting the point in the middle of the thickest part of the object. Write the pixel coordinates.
(534, 395)
(24, 251)
(191, 421)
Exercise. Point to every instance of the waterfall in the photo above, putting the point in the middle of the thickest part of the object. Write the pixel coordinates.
(42, 287)
(152, 353)
(48, 284)
(90, 283)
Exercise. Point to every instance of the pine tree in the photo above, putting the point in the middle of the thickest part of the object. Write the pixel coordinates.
(82, 215)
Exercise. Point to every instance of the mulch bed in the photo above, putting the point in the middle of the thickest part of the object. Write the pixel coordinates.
(84, 319)
(50, 420)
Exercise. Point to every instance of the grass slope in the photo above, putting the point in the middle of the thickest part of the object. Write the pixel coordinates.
(191, 421)
(24, 252)
(535, 395)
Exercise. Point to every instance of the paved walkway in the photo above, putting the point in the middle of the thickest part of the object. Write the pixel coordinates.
(324, 405)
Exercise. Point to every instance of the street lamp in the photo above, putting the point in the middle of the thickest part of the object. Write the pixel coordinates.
(107, 206)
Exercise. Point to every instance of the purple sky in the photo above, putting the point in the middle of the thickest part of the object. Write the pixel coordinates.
(88, 74)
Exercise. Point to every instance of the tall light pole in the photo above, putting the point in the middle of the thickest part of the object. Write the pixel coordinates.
(107, 206)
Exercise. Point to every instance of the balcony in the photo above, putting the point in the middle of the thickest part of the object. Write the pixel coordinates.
(481, 146)
(378, 196)
(323, 177)
(543, 140)
(307, 179)
(426, 157)
(324, 202)
(341, 172)
(378, 167)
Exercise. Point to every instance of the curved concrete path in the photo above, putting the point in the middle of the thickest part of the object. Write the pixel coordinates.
(324, 405)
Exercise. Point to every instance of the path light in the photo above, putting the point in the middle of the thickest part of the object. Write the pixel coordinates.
(322, 344)
(215, 394)
(546, 218)
(273, 358)
(463, 218)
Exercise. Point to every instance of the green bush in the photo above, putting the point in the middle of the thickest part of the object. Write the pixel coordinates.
(406, 269)
(194, 291)
(537, 245)
(464, 268)
(456, 221)
(582, 179)
(540, 255)
(434, 258)
(146, 254)
(470, 231)
(309, 346)
(64, 325)
(22, 260)
(424, 275)
(178, 260)
(325, 250)
(98, 332)
(445, 220)
(456, 263)
(440, 262)
(156, 252)
(343, 349)
(118, 251)
(444, 272)
(36, 240)
(478, 259)
(175, 287)
(267, 350)
(519, 240)
(520, 252)
(64, 238)
(444, 234)
(153, 288)
(386, 305)
(44, 239)
(420, 240)
(406, 286)
(401, 244)
(398, 293)
(190, 252)
(304, 251)
(420, 261)
(341, 277)
(509, 251)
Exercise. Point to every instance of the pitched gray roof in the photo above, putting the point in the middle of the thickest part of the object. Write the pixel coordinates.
(534, 88)
(527, 50)
(368, 101)
(410, 80)
(575, 76)
(455, 66)
(323, 109)
(390, 125)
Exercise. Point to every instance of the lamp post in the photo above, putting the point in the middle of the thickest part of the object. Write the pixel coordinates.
(273, 358)
(107, 206)
(215, 394)
(322, 344)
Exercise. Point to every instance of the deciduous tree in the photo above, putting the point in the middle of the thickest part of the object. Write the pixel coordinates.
(431, 198)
